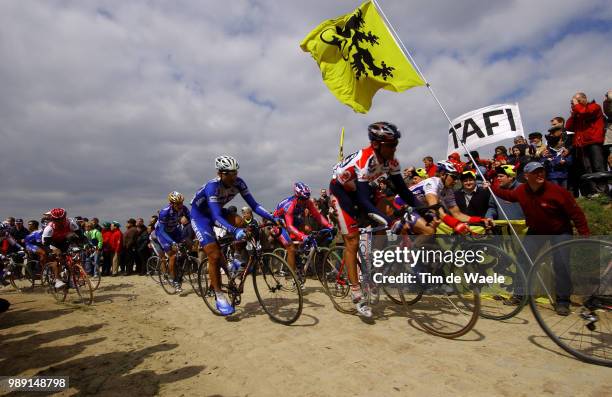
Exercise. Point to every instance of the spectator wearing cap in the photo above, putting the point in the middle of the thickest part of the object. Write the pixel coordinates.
(535, 140)
(520, 140)
(555, 160)
(107, 248)
(19, 232)
(587, 122)
(116, 240)
(471, 199)
(430, 167)
(455, 159)
(129, 254)
(506, 179)
(549, 212)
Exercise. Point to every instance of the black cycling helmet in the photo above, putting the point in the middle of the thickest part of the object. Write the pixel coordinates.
(382, 131)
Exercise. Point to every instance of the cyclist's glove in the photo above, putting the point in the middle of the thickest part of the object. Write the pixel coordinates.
(240, 234)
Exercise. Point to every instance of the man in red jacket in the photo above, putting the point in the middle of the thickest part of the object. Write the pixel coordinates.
(587, 122)
(549, 212)
(107, 249)
(116, 241)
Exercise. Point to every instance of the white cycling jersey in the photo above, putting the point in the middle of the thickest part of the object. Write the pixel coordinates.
(434, 185)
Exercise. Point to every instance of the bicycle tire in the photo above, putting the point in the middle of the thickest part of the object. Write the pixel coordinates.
(334, 277)
(191, 270)
(96, 278)
(496, 297)
(207, 292)
(272, 275)
(445, 312)
(58, 293)
(165, 278)
(543, 309)
(153, 268)
(400, 294)
(81, 284)
(21, 277)
(280, 252)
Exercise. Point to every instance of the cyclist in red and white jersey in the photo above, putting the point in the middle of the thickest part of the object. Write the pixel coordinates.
(351, 192)
(56, 236)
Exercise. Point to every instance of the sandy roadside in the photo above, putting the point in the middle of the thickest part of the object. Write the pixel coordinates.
(136, 340)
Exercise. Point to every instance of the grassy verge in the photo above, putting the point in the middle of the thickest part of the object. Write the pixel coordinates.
(599, 215)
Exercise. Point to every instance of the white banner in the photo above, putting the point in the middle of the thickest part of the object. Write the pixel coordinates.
(485, 126)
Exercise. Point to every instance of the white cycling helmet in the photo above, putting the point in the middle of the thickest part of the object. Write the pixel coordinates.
(226, 163)
(446, 167)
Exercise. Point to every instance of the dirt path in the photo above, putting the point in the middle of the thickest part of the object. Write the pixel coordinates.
(137, 341)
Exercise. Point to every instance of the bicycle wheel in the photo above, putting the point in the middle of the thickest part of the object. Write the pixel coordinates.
(334, 277)
(449, 310)
(166, 279)
(277, 289)
(21, 277)
(207, 293)
(400, 292)
(280, 252)
(153, 268)
(191, 271)
(79, 280)
(58, 293)
(96, 278)
(586, 332)
(500, 298)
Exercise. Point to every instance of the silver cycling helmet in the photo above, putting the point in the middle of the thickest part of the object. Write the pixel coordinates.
(226, 163)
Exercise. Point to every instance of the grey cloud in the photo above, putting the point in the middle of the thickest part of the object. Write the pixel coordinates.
(106, 106)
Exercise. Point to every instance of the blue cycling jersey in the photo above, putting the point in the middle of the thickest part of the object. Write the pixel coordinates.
(170, 219)
(34, 238)
(211, 198)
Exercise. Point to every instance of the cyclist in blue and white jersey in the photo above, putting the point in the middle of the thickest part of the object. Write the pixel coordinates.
(207, 212)
(168, 231)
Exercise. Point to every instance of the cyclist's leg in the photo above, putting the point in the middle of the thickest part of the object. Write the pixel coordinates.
(349, 228)
(285, 239)
(203, 229)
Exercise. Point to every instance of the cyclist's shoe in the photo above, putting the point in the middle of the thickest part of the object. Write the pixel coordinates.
(363, 309)
(177, 287)
(59, 284)
(562, 309)
(4, 282)
(223, 306)
(360, 303)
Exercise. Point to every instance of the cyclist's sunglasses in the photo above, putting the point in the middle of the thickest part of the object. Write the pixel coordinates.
(231, 173)
(390, 144)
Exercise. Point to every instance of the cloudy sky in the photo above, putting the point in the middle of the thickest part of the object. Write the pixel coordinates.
(105, 106)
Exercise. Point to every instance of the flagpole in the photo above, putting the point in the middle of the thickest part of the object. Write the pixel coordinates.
(401, 45)
(341, 151)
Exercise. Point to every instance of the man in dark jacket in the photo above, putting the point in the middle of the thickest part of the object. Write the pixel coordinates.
(471, 199)
(129, 247)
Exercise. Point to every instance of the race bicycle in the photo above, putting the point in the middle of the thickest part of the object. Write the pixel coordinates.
(276, 285)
